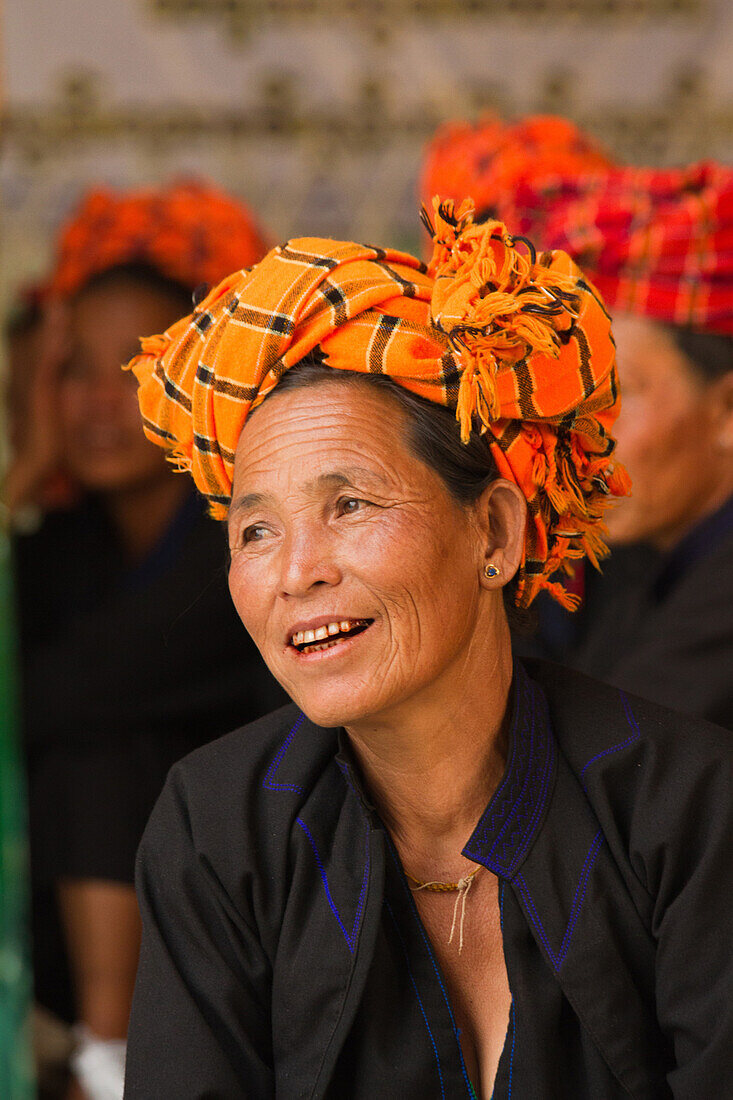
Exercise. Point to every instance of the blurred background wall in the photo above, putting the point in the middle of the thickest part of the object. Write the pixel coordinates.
(316, 111)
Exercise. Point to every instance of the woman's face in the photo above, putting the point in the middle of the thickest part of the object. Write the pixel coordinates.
(102, 439)
(352, 568)
(667, 437)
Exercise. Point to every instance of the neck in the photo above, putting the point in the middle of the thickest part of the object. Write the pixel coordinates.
(142, 513)
(432, 768)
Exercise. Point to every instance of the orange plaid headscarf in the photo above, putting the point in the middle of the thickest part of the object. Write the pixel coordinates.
(189, 232)
(518, 344)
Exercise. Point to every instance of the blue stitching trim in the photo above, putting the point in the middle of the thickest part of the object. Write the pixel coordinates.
(623, 744)
(557, 959)
(512, 1012)
(419, 1001)
(432, 960)
(350, 938)
(519, 800)
(267, 782)
(513, 1015)
(541, 799)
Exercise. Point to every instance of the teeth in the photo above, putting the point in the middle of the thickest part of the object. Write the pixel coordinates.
(308, 637)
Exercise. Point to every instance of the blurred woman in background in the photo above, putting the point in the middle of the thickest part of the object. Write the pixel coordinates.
(657, 243)
(131, 653)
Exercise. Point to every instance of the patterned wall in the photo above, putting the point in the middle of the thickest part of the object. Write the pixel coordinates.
(316, 110)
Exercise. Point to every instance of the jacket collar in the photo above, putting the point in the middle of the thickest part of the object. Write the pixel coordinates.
(510, 823)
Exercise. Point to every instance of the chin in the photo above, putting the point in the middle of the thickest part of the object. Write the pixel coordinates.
(333, 709)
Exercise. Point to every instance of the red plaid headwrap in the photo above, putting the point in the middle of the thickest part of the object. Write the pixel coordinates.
(189, 232)
(518, 344)
(656, 242)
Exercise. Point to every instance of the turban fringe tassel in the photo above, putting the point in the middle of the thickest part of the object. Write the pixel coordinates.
(526, 339)
(499, 306)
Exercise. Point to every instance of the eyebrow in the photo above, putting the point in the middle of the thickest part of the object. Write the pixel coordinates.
(335, 480)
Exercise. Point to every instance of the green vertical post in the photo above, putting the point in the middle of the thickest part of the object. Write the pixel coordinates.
(16, 1074)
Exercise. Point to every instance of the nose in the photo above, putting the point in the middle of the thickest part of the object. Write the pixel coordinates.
(309, 563)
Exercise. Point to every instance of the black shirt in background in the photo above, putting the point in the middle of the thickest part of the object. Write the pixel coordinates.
(658, 625)
(124, 670)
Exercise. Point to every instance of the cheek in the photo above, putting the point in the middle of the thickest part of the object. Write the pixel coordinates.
(648, 433)
(249, 587)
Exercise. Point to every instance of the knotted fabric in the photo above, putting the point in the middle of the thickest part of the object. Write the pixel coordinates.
(190, 232)
(518, 344)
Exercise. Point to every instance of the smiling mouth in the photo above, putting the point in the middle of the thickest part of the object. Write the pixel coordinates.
(325, 637)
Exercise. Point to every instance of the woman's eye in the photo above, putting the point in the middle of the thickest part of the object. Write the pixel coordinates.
(349, 505)
(255, 533)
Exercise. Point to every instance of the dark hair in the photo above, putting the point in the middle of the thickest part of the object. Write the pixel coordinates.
(710, 354)
(144, 275)
(434, 437)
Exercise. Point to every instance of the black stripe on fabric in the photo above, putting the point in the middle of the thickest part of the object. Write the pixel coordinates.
(232, 389)
(409, 290)
(212, 447)
(379, 253)
(586, 375)
(509, 434)
(277, 323)
(204, 374)
(584, 285)
(176, 395)
(312, 260)
(336, 298)
(525, 388)
(158, 431)
(202, 322)
(378, 344)
(450, 377)
(208, 446)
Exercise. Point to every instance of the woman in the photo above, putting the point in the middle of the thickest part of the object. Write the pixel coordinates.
(659, 620)
(437, 874)
(116, 597)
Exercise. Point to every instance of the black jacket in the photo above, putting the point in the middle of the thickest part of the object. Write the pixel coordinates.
(283, 955)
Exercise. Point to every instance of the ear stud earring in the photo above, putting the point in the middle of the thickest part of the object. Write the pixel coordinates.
(491, 570)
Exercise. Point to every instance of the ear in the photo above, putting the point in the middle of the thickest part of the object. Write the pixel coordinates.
(502, 515)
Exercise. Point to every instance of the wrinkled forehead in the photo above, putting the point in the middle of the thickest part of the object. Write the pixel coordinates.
(321, 436)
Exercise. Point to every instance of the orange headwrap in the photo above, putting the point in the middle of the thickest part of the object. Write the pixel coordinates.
(189, 232)
(491, 160)
(519, 345)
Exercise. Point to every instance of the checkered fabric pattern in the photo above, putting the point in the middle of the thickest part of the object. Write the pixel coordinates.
(190, 232)
(519, 345)
(655, 242)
